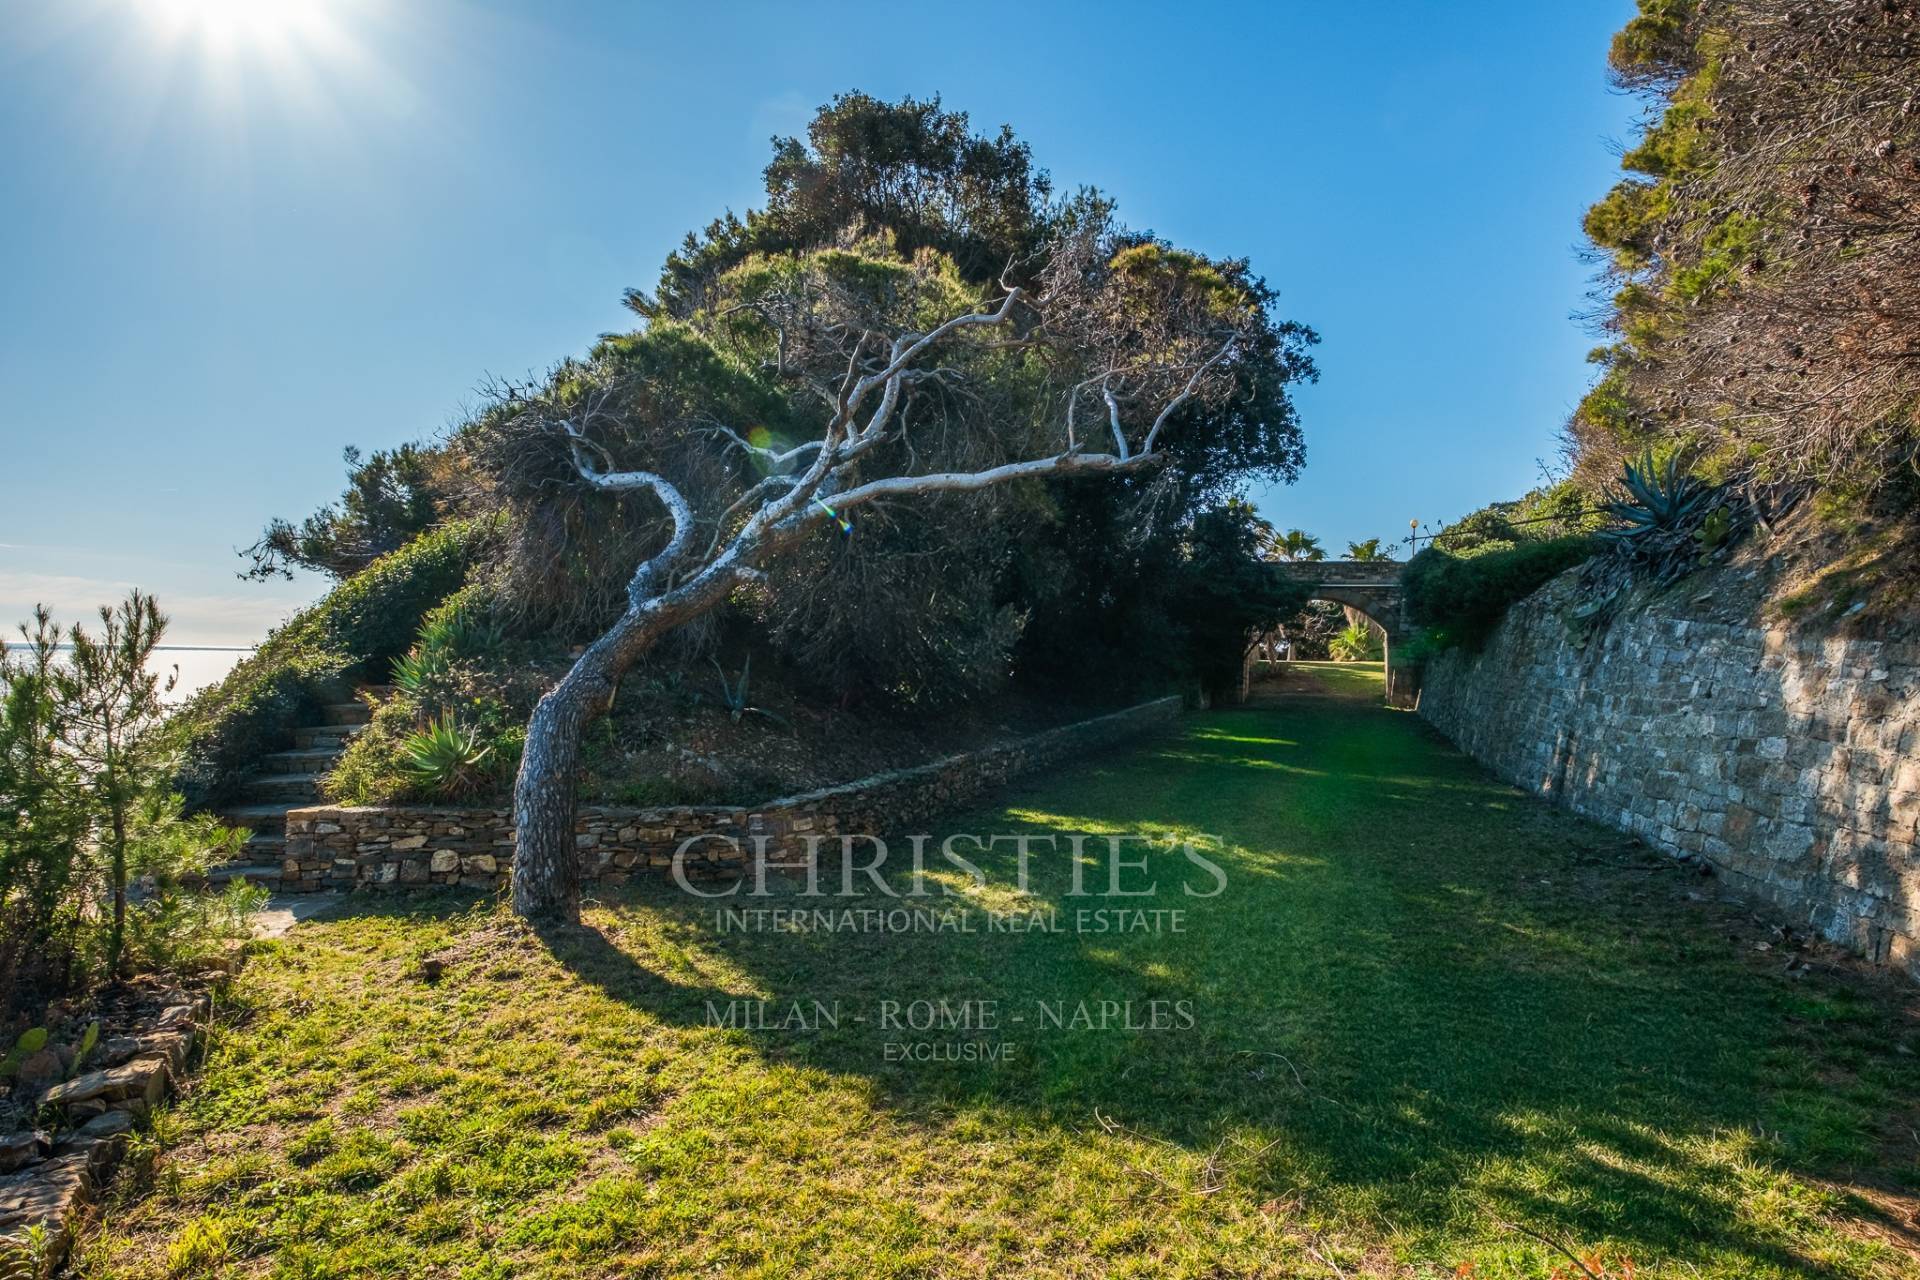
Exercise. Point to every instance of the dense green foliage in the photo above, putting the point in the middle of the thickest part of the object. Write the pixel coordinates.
(1558, 510)
(1355, 642)
(1459, 599)
(86, 810)
(354, 633)
(391, 499)
(885, 218)
(1427, 1011)
(1368, 551)
(1762, 253)
(1227, 595)
(911, 168)
(445, 760)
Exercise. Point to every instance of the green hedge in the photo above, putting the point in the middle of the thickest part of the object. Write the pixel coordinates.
(1459, 600)
(353, 633)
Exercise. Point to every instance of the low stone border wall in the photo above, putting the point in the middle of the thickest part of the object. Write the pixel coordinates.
(48, 1182)
(400, 846)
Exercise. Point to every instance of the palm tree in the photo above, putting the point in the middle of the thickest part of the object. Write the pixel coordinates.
(1368, 550)
(1241, 512)
(1297, 545)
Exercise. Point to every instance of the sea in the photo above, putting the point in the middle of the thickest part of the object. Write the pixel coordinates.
(194, 666)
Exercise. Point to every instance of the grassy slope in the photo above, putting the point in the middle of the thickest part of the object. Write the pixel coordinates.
(1425, 1006)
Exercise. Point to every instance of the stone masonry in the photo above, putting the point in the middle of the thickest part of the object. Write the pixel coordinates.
(402, 846)
(1788, 759)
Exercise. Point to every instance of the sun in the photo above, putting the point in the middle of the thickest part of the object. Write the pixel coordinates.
(230, 24)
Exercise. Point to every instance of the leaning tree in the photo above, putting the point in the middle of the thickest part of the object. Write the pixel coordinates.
(892, 380)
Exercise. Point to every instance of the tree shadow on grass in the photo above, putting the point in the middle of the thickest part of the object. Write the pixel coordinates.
(1421, 997)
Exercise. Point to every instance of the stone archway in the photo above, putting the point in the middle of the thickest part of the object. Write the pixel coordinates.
(1373, 588)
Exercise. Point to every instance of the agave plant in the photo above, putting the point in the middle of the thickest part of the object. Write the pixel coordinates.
(466, 630)
(1670, 523)
(415, 670)
(445, 758)
(1660, 501)
(733, 695)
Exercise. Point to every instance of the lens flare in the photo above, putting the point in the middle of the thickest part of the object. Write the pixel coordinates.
(846, 526)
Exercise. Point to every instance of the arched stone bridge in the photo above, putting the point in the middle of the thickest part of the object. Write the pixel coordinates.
(1372, 587)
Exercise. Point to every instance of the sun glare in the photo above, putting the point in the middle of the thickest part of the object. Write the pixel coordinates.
(230, 24)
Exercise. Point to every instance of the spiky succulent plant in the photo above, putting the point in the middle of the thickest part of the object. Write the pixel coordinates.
(1660, 502)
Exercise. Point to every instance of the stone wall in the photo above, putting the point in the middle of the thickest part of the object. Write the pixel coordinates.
(1788, 759)
(399, 846)
(50, 1177)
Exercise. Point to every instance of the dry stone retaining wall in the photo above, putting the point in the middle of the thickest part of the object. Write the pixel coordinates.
(1789, 760)
(49, 1179)
(402, 846)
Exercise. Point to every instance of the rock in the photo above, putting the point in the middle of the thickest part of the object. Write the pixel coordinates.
(444, 860)
(175, 1046)
(115, 1050)
(145, 1078)
(107, 1124)
(40, 1069)
(91, 1107)
(100, 1154)
(411, 842)
(52, 1196)
(135, 1107)
(18, 1150)
(179, 1015)
(432, 968)
(227, 963)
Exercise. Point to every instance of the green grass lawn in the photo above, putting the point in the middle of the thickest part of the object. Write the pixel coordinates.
(1429, 1016)
(1355, 679)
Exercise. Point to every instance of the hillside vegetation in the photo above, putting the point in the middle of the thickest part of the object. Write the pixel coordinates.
(1763, 253)
(1760, 299)
(472, 566)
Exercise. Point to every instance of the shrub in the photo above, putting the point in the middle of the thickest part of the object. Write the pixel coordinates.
(450, 673)
(356, 630)
(1460, 599)
(374, 615)
(460, 627)
(464, 625)
(86, 812)
(175, 929)
(413, 673)
(368, 771)
(1227, 595)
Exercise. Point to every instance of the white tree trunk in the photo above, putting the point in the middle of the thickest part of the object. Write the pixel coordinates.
(545, 866)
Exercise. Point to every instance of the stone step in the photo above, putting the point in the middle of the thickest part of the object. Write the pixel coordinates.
(261, 819)
(309, 760)
(267, 876)
(344, 713)
(328, 737)
(293, 788)
(263, 848)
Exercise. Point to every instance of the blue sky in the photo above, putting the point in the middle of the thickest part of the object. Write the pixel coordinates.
(230, 246)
